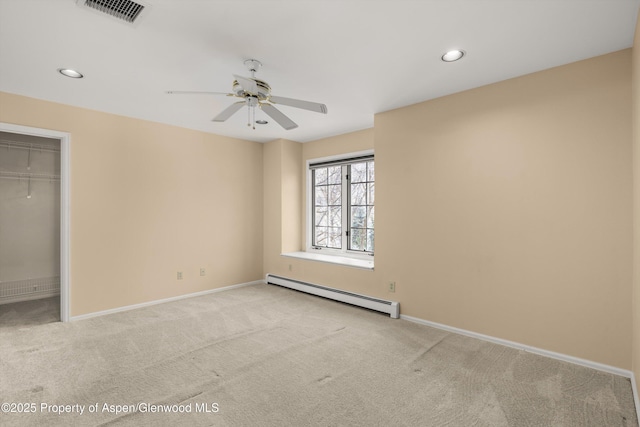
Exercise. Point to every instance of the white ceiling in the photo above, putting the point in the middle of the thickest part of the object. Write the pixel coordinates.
(359, 57)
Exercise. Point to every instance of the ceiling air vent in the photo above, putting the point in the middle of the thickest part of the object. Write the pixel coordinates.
(125, 10)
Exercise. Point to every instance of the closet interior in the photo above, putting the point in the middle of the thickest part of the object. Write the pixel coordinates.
(29, 229)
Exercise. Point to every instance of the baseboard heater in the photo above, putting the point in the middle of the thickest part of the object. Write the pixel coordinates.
(392, 308)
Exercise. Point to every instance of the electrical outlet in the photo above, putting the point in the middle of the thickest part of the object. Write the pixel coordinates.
(179, 275)
(392, 286)
(290, 267)
(202, 272)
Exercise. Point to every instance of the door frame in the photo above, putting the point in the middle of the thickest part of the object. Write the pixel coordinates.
(65, 204)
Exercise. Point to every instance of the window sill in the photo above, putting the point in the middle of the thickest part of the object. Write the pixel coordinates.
(364, 264)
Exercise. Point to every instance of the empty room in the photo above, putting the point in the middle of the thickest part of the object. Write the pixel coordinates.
(319, 212)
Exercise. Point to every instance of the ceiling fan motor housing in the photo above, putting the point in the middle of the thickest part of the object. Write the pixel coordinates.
(264, 90)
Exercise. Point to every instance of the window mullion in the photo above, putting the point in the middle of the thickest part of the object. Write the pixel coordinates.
(346, 198)
(313, 208)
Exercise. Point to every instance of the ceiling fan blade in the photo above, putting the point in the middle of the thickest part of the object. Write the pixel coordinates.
(277, 115)
(247, 84)
(228, 112)
(306, 105)
(191, 92)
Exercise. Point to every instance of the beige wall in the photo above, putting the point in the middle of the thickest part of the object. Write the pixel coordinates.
(504, 210)
(282, 187)
(272, 203)
(148, 200)
(636, 209)
(292, 187)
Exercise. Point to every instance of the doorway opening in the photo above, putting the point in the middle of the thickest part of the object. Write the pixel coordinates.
(34, 225)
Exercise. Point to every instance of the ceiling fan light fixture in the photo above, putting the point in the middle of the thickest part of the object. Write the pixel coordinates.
(68, 72)
(261, 122)
(453, 55)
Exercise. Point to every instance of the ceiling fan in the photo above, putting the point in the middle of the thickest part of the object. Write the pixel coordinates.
(257, 94)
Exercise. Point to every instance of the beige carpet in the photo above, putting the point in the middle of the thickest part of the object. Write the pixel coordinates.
(268, 356)
(30, 313)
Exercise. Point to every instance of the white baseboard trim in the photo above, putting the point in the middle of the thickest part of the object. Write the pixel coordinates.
(559, 356)
(635, 394)
(162, 301)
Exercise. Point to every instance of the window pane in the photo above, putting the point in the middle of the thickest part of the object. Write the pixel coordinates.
(321, 236)
(358, 172)
(335, 175)
(329, 201)
(335, 238)
(321, 196)
(358, 239)
(321, 216)
(335, 217)
(371, 190)
(370, 217)
(370, 236)
(358, 194)
(335, 195)
(358, 216)
(321, 176)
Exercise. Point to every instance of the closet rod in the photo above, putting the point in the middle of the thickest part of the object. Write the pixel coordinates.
(6, 143)
(24, 175)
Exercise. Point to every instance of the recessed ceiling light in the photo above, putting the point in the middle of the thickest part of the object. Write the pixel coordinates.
(453, 55)
(261, 122)
(70, 73)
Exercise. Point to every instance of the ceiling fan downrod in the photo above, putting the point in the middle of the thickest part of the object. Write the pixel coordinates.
(253, 65)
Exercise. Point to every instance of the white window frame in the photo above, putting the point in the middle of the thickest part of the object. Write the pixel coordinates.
(344, 252)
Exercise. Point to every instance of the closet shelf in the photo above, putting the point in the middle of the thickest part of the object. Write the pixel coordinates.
(25, 175)
(8, 144)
